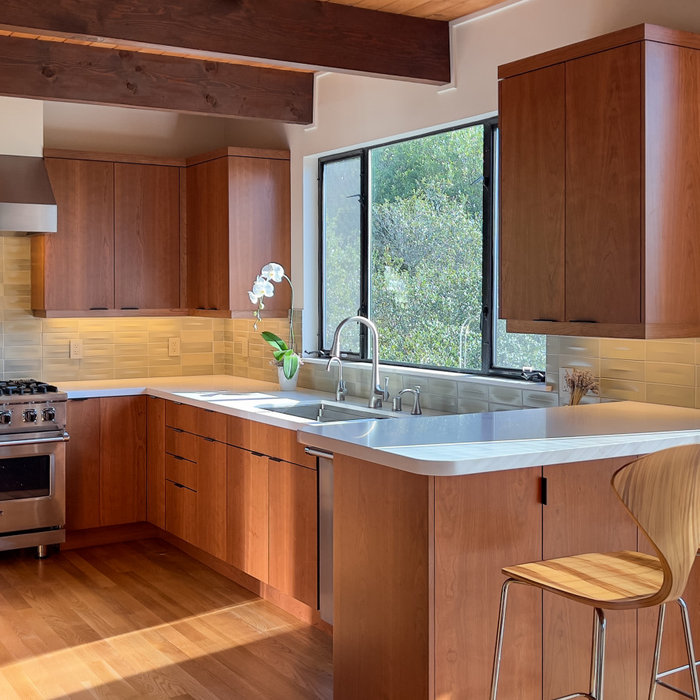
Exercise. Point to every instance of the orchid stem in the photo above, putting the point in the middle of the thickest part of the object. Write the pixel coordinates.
(291, 315)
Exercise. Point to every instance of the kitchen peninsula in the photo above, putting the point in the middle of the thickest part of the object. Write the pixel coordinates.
(427, 513)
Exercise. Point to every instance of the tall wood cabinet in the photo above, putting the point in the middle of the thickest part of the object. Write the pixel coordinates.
(600, 150)
(117, 248)
(238, 219)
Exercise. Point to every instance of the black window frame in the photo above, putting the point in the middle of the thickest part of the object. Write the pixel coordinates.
(487, 323)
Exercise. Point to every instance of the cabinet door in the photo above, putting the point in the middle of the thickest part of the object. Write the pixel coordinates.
(83, 464)
(584, 515)
(147, 236)
(532, 143)
(155, 461)
(208, 236)
(123, 459)
(211, 497)
(293, 504)
(260, 227)
(604, 186)
(247, 486)
(73, 269)
(484, 522)
(180, 511)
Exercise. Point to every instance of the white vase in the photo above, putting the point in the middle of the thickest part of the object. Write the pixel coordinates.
(287, 384)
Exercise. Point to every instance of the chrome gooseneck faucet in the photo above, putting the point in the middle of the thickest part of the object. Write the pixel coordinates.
(341, 390)
(377, 393)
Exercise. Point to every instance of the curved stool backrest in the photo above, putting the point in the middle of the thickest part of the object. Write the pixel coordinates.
(662, 493)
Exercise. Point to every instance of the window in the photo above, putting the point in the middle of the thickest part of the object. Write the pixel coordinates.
(408, 239)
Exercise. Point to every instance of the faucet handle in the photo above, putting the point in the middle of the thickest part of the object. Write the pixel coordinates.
(416, 410)
(386, 389)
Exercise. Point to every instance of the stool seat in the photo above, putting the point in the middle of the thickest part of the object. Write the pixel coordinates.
(615, 580)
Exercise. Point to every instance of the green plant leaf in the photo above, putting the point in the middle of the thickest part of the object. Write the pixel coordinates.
(291, 364)
(274, 340)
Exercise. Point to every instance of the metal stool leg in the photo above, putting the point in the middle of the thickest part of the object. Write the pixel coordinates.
(657, 651)
(689, 648)
(499, 637)
(598, 654)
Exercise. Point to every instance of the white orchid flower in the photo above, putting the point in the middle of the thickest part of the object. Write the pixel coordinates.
(263, 288)
(273, 271)
(254, 298)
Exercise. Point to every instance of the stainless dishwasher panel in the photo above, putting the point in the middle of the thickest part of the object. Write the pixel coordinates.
(325, 532)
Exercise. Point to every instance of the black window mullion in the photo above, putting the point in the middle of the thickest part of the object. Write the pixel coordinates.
(487, 301)
(364, 251)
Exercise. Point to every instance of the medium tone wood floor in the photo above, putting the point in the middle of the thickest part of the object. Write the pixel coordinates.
(144, 620)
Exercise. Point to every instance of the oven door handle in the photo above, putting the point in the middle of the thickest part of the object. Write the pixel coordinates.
(34, 441)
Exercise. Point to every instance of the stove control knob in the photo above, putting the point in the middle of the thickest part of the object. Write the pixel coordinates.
(48, 414)
(5, 417)
(30, 415)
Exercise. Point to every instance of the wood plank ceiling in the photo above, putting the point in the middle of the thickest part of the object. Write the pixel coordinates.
(444, 10)
(243, 58)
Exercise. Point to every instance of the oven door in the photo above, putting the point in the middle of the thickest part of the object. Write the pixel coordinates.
(32, 485)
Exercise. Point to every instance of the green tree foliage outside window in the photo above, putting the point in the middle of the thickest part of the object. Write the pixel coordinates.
(425, 240)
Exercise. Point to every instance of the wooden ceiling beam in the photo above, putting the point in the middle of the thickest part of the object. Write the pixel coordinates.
(50, 70)
(300, 33)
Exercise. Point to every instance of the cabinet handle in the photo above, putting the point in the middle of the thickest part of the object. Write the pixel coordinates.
(582, 320)
(130, 308)
(275, 459)
(180, 486)
(257, 454)
(98, 308)
(208, 439)
(543, 490)
(549, 320)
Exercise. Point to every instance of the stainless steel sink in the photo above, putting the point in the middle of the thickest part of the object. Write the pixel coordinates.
(326, 412)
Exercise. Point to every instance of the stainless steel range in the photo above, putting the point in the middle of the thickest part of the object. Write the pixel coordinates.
(32, 465)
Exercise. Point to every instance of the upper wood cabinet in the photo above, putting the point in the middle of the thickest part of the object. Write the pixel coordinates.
(117, 248)
(600, 155)
(238, 219)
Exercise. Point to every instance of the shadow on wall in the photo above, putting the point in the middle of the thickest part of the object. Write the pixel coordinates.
(150, 132)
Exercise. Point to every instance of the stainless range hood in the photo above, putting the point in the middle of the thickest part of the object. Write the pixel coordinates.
(27, 204)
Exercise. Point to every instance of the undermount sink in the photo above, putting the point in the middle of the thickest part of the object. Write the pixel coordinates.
(326, 412)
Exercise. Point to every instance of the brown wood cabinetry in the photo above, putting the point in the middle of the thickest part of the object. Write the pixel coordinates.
(74, 267)
(195, 488)
(293, 528)
(117, 248)
(421, 558)
(248, 530)
(599, 150)
(106, 462)
(238, 219)
(584, 515)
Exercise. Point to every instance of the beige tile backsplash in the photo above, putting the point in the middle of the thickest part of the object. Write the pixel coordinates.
(657, 371)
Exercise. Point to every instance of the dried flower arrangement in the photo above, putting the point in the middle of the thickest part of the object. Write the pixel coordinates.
(579, 382)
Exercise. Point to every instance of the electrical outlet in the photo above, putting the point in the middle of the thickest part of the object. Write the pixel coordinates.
(75, 349)
(174, 347)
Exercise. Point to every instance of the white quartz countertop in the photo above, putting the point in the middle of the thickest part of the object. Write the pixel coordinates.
(440, 445)
(482, 442)
(235, 396)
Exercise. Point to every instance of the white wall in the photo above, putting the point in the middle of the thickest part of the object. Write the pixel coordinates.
(21, 127)
(150, 132)
(352, 110)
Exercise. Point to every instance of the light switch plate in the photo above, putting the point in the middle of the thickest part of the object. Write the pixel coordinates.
(75, 349)
(174, 347)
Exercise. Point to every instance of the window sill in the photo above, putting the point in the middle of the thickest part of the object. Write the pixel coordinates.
(420, 373)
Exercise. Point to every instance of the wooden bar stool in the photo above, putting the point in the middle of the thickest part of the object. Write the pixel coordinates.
(661, 491)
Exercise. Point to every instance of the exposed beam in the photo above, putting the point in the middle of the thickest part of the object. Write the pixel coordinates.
(49, 70)
(301, 33)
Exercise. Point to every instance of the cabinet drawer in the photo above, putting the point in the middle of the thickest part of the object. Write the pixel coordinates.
(181, 444)
(199, 421)
(180, 511)
(280, 443)
(181, 471)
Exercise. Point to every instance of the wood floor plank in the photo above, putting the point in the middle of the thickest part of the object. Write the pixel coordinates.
(144, 620)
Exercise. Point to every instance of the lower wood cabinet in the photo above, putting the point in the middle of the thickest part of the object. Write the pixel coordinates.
(180, 511)
(248, 532)
(420, 558)
(293, 528)
(106, 462)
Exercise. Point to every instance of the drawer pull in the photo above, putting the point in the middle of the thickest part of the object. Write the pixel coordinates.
(582, 320)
